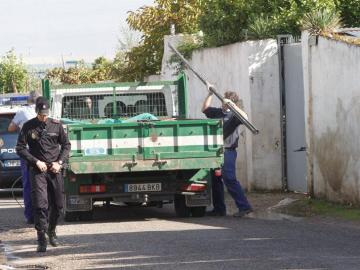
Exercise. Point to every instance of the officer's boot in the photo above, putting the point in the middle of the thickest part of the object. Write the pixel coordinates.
(53, 240)
(42, 243)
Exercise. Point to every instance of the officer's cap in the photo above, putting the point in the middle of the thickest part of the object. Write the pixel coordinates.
(42, 106)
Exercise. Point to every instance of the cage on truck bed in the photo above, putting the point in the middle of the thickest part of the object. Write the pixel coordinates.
(133, 143)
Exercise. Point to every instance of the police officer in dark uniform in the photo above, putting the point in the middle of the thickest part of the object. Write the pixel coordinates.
(38, 144)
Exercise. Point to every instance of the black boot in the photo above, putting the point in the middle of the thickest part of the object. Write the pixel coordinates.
(42, 243)
(53, 240)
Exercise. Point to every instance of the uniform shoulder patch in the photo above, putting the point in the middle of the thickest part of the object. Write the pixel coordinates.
(56, 121)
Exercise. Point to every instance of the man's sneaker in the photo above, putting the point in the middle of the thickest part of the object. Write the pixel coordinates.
(214, 213)
(242, 213)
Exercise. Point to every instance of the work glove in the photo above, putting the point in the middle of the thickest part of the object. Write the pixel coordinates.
(210, 88)
(229, 102)
(226, 101)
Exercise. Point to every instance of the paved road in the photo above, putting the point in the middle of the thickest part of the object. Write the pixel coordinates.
(151, 238)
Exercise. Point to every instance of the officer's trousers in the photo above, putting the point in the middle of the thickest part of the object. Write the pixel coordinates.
(47, 198)
(26, 190)
(232, 184)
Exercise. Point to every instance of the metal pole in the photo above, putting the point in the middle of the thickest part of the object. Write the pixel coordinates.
(232, 106)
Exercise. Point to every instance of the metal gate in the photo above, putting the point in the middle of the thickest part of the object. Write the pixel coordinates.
(294, 106)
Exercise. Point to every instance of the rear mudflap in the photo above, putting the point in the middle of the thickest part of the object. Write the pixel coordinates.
(201, 199)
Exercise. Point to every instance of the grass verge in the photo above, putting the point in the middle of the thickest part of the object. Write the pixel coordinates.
(307, 207)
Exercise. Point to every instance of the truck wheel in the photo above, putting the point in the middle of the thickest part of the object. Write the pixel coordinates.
(198, 211)
(181, 209)
(86, 215)
(71, 216)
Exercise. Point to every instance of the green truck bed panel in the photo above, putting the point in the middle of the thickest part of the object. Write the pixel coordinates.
(143, 146)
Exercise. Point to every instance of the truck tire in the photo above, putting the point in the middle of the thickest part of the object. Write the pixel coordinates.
(71, 216)
(181, 209)
(198, 211)
(86, 215)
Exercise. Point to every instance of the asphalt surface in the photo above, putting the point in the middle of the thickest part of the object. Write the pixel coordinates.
(152, 238)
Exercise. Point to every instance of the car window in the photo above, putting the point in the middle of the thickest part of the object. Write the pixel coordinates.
(5, 120)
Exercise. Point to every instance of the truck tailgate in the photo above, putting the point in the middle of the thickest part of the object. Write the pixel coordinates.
(144, 146)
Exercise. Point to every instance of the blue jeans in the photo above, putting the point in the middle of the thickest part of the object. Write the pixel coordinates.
(26, 190)
(233, 186)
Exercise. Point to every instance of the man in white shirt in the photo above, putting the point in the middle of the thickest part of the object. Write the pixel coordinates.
(26, 113)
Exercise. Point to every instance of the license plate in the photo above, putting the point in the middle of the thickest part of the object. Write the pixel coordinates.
(12, 163)
(78, 200)
(143, 187)
(94, 151)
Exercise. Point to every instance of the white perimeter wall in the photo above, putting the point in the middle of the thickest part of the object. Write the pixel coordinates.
(251, 69)
(332, 110)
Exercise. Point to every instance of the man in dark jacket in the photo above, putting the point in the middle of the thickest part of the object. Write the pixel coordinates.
(38, 143)
(228, 170)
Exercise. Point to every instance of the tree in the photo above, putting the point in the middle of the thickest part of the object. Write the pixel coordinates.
(224, 21)
(128, 39)
(229, 21)
(118, 66)
(349, 11)
(101, 70)
(55, 75)
(13, 74)
(154, 22)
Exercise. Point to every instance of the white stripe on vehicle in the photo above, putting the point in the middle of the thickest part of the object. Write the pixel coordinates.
(147, 142)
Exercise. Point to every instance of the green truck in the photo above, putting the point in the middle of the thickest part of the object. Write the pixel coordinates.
(132, 143)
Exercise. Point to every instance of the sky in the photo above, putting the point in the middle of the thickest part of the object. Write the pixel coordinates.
(47, 31)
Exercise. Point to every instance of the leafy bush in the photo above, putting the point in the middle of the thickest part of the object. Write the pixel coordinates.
(228, 21)
(101, 70)
(13, 74)
(349, 12)
(321, 21)
(224, 21)
(261, 28)
(189, 44)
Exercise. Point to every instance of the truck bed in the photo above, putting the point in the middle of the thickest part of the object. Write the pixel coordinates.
(145, 146)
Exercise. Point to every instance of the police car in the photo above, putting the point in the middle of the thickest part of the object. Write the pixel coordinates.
(10, 169)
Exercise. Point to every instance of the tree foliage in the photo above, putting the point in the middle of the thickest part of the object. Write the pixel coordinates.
(229, 21)
(154, 22)
(13, 74)
(349, 12)
(321, 21)
(101, 70)
(221, 21)
(224, 21)
(188, 44)
(128, 39)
